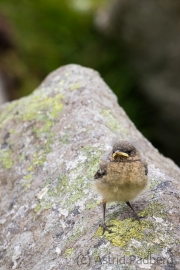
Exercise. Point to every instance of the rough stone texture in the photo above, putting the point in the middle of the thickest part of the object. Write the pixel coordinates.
(51, 143)
(150, 31)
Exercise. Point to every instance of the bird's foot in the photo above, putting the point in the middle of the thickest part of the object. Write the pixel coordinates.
(137, 217)
(135, 214)
(105, 228)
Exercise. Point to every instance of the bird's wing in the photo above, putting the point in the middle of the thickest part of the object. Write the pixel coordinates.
(102, 169)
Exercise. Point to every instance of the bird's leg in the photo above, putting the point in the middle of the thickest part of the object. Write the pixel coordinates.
(104, 226)
(104, 211)
(136, 215)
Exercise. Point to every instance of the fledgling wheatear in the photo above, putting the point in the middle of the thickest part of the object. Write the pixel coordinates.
(122, 176)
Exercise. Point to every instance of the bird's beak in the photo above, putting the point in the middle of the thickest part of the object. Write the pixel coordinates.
(116, 154)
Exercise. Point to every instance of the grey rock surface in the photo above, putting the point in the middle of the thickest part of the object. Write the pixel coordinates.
(50, 146)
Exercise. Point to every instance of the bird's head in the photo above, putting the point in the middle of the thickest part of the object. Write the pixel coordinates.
(123, 150)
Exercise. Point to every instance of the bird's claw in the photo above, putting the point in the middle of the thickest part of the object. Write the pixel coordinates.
(105, 228)
(138, 218)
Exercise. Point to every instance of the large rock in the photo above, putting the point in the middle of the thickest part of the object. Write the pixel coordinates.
(51, 143)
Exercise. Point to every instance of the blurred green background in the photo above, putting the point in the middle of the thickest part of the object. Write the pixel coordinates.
(50, 33)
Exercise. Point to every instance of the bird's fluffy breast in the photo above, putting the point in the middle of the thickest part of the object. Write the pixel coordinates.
(123, 181)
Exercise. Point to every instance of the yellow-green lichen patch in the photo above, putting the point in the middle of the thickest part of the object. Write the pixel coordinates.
(6, 158)
(61, 83)
(30, 168)
(77, 180)
(58, 194)
(96, 253)
(27, 181)
(8, 113)
(53, 195)
(68, 252)
(151, 236)
(38, 159)
(59, 188)
(57, 106)
(38, 208)
(112, 122)
(41, 108)
(154, 209)
(37, 106)
(74, 185)
(46, 125)
(125, 230)
(93, 156)
(21, 157)
(74, 86)
(64, 139)
(28, 176)
(48, 144)
(27, 185)
(154, 183)
(43, 205)
(44, 110)
(92, 205)
(71, 186)
(82, 176)
(76, 234)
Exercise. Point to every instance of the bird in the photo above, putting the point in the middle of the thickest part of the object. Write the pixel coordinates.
(122, 176)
